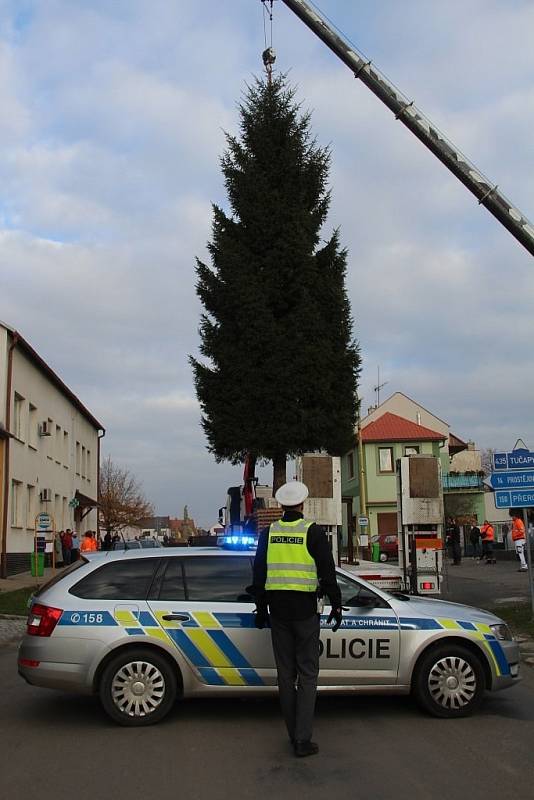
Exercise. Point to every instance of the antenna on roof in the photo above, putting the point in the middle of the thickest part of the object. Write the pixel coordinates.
(378, 387)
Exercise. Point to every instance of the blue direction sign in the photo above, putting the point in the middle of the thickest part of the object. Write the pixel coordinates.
(514, 498)
(512, 480)
(517, 459)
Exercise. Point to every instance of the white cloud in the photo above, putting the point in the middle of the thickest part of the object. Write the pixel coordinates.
(174, 401)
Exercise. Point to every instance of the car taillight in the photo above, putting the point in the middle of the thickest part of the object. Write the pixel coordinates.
(28, 662)
(427, 585)
(42, 620)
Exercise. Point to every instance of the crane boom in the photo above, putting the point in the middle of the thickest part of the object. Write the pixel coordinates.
(486, 192)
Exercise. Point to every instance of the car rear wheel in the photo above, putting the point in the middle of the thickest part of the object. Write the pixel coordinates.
(449, 681)
(138, 687)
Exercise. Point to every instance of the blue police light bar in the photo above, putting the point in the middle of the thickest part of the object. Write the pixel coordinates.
(237, 541)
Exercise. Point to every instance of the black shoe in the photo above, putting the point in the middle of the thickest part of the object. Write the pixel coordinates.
(303, 749)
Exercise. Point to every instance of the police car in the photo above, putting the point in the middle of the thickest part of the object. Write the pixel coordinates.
(142, 628)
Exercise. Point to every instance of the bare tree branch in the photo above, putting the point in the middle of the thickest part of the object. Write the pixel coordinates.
(487, 460)
(121, 501)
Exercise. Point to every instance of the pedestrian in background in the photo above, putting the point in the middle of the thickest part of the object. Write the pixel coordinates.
(453, 539)
(519, 539)
(67, 547)
(58, 548)
(488, 537)
(474, 538)
(88, 543)
(294, 564)
(75, 549)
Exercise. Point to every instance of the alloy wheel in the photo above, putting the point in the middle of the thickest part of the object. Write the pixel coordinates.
(137, 688)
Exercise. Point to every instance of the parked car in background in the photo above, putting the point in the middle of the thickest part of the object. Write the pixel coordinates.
(136, 544)
(389, 545)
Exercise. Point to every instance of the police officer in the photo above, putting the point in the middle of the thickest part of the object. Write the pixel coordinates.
(293, 565)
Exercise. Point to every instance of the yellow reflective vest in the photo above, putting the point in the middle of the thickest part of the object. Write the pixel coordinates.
(290, 567)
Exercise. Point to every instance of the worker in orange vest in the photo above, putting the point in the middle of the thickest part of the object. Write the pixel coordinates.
(520, 540)
(488, 537)
(89, 544)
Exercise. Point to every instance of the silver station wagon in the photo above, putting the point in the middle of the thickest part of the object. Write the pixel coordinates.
(142, 628)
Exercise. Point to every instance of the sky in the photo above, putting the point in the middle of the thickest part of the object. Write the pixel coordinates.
(112, 126)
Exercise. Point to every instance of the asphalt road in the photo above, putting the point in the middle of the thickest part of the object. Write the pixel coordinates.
(484, 585)
(55, 746)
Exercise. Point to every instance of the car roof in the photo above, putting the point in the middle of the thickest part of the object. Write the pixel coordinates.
(171, 552)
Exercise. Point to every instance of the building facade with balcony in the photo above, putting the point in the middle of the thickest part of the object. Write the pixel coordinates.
(401, 427)
(49, 452)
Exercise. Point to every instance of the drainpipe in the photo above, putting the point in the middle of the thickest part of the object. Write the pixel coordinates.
(101, 435)
(3, 552)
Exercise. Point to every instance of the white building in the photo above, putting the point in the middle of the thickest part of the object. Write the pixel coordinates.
(49, 452)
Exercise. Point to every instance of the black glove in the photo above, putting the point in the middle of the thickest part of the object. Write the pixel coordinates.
(261, 617)
(336, 615)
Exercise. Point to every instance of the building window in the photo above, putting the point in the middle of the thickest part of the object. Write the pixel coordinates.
(350, 458)
(16, 504)
(88, 465)
(30, 506)
(411, 450)
(57, 444)
(57, 511)
(50, 445)
(385, 459)
(63, 515)
(33, 426)
(18, 408)
(66, 459)
(83, 462)
(78, 458)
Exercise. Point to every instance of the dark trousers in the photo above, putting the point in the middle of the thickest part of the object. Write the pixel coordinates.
(296, 652)
(487, 550)
(475, 545)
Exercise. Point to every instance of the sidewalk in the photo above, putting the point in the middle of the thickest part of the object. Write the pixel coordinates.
(25, 580)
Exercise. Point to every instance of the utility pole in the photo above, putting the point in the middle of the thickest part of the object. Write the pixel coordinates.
(362, 483)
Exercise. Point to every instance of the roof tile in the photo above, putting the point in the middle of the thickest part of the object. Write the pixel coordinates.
(392, 428)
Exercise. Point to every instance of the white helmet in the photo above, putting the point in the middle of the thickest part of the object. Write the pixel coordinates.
(292, 494)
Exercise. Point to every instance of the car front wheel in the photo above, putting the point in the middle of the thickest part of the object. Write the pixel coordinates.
(138, 688)
(449, 681)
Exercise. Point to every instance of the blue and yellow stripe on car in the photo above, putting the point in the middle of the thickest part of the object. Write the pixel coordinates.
(478, 631)
(202, 640)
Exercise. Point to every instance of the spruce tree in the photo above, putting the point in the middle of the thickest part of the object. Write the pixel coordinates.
(282, 363)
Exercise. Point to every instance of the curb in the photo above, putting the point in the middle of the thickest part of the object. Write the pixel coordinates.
(12, 616)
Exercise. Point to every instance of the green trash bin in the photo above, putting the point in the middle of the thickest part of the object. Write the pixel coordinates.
(375, 551)
(37, 570)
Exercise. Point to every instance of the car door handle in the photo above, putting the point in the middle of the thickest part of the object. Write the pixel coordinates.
(176, 617)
